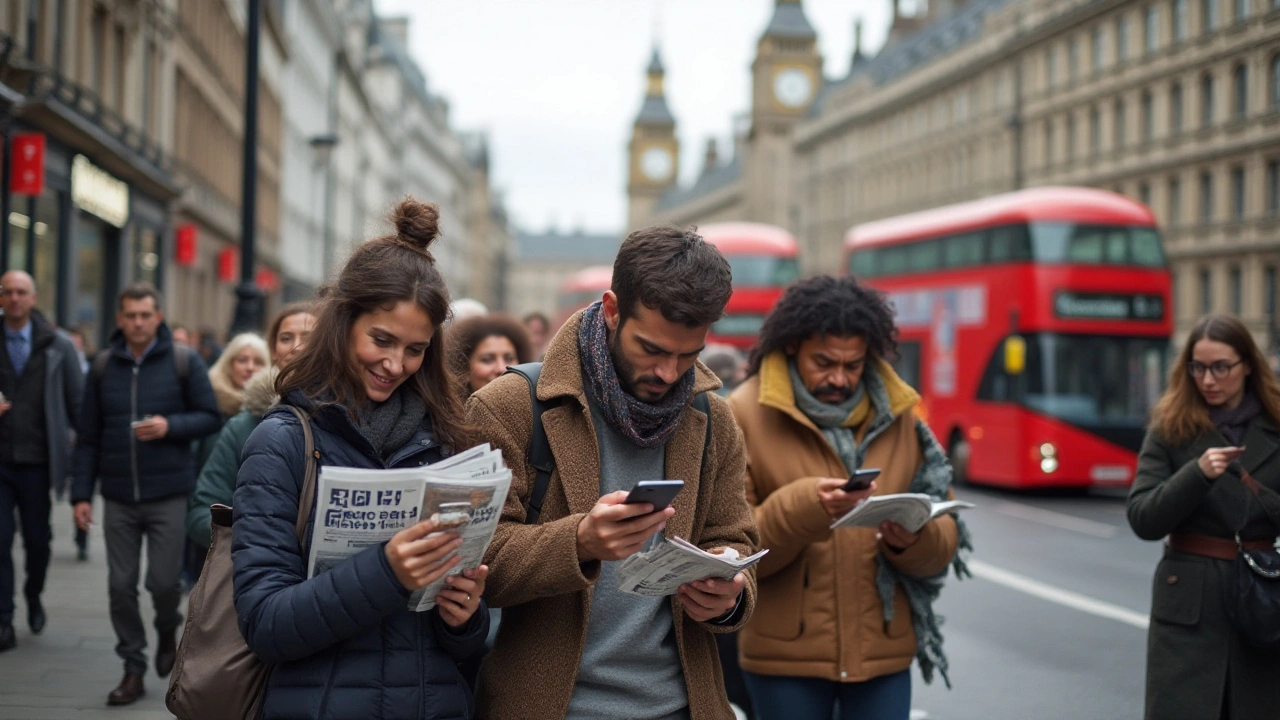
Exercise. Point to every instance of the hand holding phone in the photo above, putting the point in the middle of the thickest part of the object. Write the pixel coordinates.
(861, 479)
(659, 493)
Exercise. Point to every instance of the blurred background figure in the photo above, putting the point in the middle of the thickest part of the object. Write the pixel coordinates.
(538, 326)
(464, 308)
(728, 363)
(483, 347)
(181, 335)
(208, 346)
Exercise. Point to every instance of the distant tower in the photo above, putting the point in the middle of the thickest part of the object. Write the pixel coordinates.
(654, 152)
(786, 79)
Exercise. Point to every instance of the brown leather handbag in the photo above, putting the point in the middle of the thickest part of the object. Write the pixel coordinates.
(216, 675)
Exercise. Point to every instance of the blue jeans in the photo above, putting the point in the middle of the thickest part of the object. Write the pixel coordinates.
(778, 697)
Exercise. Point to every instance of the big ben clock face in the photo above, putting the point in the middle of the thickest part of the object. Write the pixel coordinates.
(656, 163)
(793, 88)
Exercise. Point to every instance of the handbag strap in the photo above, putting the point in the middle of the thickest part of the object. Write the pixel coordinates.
(1269, 498)
(306, 500)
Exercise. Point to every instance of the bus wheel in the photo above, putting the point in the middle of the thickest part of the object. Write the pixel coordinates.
(959, 453)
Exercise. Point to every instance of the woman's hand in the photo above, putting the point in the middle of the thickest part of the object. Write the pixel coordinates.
(1214, 461)
(459, 601)
(420, 556)
(837, 502)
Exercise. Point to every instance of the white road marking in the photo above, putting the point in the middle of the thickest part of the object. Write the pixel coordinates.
(1057, 595)
(1056, 519)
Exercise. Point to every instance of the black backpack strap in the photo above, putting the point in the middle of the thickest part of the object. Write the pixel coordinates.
(182, 363)
(540, 457)
(701, 403)
(100, 365)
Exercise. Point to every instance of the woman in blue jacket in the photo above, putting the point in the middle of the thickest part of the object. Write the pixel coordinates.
(374, 379)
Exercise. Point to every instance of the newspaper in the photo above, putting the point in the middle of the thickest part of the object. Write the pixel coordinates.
(674, 562)
(910, 510)
(357, 508)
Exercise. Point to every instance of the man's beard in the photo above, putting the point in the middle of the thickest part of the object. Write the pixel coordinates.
(626, 372)
(822, 390)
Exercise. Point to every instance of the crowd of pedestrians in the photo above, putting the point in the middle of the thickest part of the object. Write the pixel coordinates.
(389, 371)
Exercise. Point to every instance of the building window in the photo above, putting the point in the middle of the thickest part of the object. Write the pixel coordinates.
(1073, 59)
(1275, 82)
(98, 41)
(1206, 291)
(121, 54)
(1237, 193)
(1095, 130)
(1144, 193)
(1151, 29)
(1206, 101)
(1209, 15)
(148, 69)
(1050, 67)
(1071, 136)
(1148, 117)
(1175, 202)
(1236, 294)
(1242, 10)
(1179, 20)
(1122, 38)
(1120, 119)
(1269, 296)
(1206, 197)
(1241, 77)
(1048, 142)
(1097, 48)
(1175, 109)
(1273, 188)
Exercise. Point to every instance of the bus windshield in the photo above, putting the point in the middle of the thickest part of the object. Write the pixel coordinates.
(1095, 381)
(763, 270)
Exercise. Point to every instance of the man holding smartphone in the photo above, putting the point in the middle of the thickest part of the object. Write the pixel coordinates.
(621, 376)
(821, 411)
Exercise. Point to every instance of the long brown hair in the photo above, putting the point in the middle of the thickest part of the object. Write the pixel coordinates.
(380, 273)
(285, 313)
(1182, 415)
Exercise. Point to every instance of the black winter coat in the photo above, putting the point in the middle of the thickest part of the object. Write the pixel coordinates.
(343, 644)
(107, 449)
(1197, 664)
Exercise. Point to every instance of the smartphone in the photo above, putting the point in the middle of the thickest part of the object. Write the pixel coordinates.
(658, 492)
(861, 479)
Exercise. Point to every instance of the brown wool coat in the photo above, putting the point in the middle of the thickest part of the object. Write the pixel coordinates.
(535, 575)
(819, 614)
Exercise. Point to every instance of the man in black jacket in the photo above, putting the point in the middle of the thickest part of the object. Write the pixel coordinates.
(41, 383)
(143, 407)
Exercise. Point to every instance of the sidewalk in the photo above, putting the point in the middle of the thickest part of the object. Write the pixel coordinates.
(66, 672)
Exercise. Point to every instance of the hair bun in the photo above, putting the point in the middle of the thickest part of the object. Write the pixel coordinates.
(417, 223)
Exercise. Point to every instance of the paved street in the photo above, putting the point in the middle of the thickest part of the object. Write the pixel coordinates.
(65, 672)
(1048, 629)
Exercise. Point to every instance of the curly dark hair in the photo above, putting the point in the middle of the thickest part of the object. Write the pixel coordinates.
(465, 336)
(825, 305)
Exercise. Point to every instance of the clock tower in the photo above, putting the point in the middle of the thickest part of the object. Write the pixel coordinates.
(653, 153)
(786, 78)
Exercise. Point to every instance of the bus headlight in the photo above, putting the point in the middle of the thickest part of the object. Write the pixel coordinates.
(1048, 465)
(1048, 457)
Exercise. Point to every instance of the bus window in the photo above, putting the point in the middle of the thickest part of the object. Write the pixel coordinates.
(1056, 242)
(1008, 243)
(1145, 247)
(963, 250)
(923, 256)
(763, 270)
(893, 260)
(738, 325)
(863, 263)
(1096, 380)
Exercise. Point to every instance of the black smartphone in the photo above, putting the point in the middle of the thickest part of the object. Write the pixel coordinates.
(861, 479)
(658, 492)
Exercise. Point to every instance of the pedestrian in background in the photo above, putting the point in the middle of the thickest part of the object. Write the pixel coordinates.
(538, 325)
(217, 481)
(464, 308)
(208, 346)
(483, 347)
(1220, 414)
(728, 363)
(841, 613)
(181, 335)
(41, 386)
(84, 351)
(140, 416)
(622, 376)
(376, 383)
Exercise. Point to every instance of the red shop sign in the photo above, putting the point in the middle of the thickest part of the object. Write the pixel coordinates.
(228, 265)
(184, 245)
(267, 280)
(27, 172)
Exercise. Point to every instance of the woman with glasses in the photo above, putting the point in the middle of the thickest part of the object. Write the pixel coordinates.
(1220, 416)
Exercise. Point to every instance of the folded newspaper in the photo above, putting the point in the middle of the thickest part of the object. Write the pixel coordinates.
(674, 562)
(910, 510)
(357, 508)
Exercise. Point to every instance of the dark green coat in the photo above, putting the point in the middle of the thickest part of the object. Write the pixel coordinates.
(1197, 665)
(217, 481)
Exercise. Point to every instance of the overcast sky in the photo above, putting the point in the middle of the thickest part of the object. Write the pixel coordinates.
(557, 84)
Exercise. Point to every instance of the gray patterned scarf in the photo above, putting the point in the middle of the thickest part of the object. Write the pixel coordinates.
(645, 424)
(390, 424)
(830, 418)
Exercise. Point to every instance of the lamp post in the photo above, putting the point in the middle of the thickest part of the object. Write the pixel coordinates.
(249, 299)
(323, 146)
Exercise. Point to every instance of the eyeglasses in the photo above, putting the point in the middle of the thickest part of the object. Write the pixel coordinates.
(1219, 370)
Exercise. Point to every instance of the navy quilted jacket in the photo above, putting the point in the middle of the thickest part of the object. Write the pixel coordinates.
(343, 644)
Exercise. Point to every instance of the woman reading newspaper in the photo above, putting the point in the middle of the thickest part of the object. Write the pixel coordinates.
(375, 382)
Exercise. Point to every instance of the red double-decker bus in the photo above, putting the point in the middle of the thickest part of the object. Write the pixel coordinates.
(580, 290)
(763, 261)
(1036, 325)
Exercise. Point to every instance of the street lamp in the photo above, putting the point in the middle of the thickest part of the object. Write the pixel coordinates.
(323, 146)
(249, 299)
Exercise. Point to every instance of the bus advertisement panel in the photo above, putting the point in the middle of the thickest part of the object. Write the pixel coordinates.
(763, 259)
(1036, 325)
